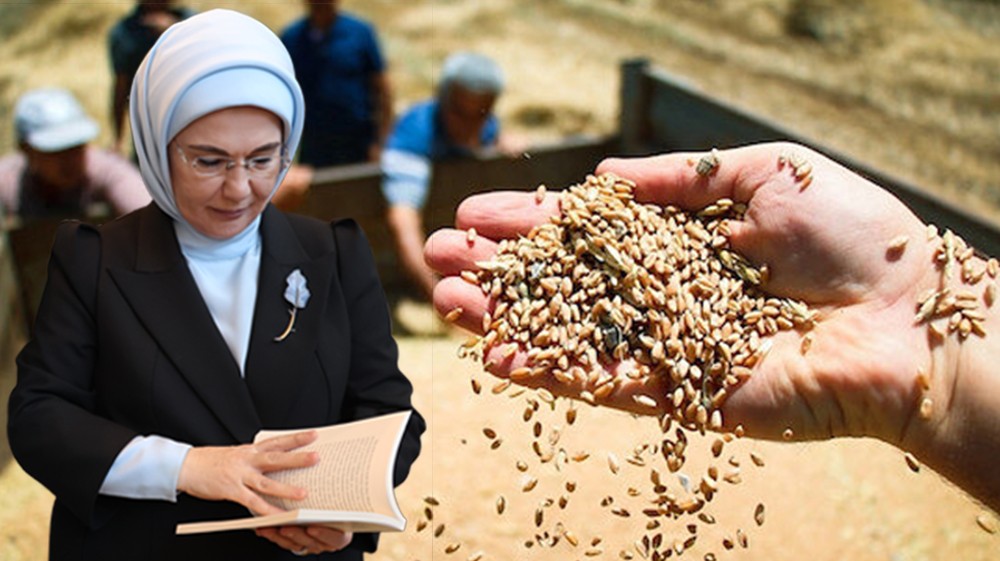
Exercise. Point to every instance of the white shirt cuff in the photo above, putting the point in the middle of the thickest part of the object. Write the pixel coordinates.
(147, 468)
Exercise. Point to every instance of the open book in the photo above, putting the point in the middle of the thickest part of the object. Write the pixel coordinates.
(349, 489)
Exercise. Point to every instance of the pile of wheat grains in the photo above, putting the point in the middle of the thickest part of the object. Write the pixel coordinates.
(657, 292)
(613, 292)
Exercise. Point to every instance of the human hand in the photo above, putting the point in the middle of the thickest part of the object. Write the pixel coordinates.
(238, 473)
(512, 145)
(303, 540)
(825, 244)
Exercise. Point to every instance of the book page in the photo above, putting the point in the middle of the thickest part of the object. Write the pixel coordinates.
(338, 482)
(355, 468)
(350, 488)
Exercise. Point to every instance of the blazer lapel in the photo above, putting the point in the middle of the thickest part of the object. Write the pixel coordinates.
(164, 296)
(275, 369)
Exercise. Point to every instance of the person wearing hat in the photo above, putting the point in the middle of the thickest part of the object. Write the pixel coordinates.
(56, 172)
(166, 339)
(456, 123)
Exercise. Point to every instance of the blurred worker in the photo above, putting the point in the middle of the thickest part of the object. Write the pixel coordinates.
(56, 172)
(456, 123)
(339, 64)
(128, 42)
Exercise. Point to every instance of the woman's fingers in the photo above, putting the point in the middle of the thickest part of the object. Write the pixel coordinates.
(330, 538)
(263, 485)
(275, 535)
(276, 461)
(307, 539)
(505, 214)
(287, 442)
(302, 539)
(255, 503)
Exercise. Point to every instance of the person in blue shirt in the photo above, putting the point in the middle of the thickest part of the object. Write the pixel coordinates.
(339, 64)
(128, 42)
(456, 123)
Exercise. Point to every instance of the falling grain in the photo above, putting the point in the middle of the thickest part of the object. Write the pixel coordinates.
(528, 483)
(742, 539)
(926, 408)
(987, 523)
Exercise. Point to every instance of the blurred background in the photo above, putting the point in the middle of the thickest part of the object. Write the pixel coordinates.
(908, 87)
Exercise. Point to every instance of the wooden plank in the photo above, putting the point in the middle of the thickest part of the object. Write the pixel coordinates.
(355, 191)
(12, 321)
(634, 99)
(556, 165)
(31, 244)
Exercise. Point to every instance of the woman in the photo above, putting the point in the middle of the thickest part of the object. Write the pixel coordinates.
(165, 341)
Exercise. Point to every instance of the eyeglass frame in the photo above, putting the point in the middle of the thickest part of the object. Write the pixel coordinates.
(283, 162)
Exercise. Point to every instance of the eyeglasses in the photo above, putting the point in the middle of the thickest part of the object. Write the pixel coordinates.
(261, 166)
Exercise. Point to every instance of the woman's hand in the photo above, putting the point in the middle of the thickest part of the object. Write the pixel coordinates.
(239, 473)
(825, 243)
(307, 540)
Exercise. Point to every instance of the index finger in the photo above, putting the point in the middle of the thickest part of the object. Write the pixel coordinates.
(287, 442)
(673, 179)
(505, 214)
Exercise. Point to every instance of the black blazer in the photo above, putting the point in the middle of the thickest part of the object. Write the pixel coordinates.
(124, 345)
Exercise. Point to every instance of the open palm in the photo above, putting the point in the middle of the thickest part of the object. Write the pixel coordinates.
(826, 241)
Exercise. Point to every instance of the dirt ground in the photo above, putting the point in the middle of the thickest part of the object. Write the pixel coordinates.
(825, 501)
(907, 85)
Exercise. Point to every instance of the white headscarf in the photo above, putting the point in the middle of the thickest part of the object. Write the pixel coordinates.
(211, 61)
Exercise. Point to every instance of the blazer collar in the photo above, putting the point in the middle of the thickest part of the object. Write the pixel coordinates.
(167, 300)
(164, 296)
(275, 369)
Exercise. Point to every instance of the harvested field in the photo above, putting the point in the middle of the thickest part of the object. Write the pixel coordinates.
(826, 501)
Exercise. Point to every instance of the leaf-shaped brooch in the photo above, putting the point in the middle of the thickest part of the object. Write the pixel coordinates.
(297, 294)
